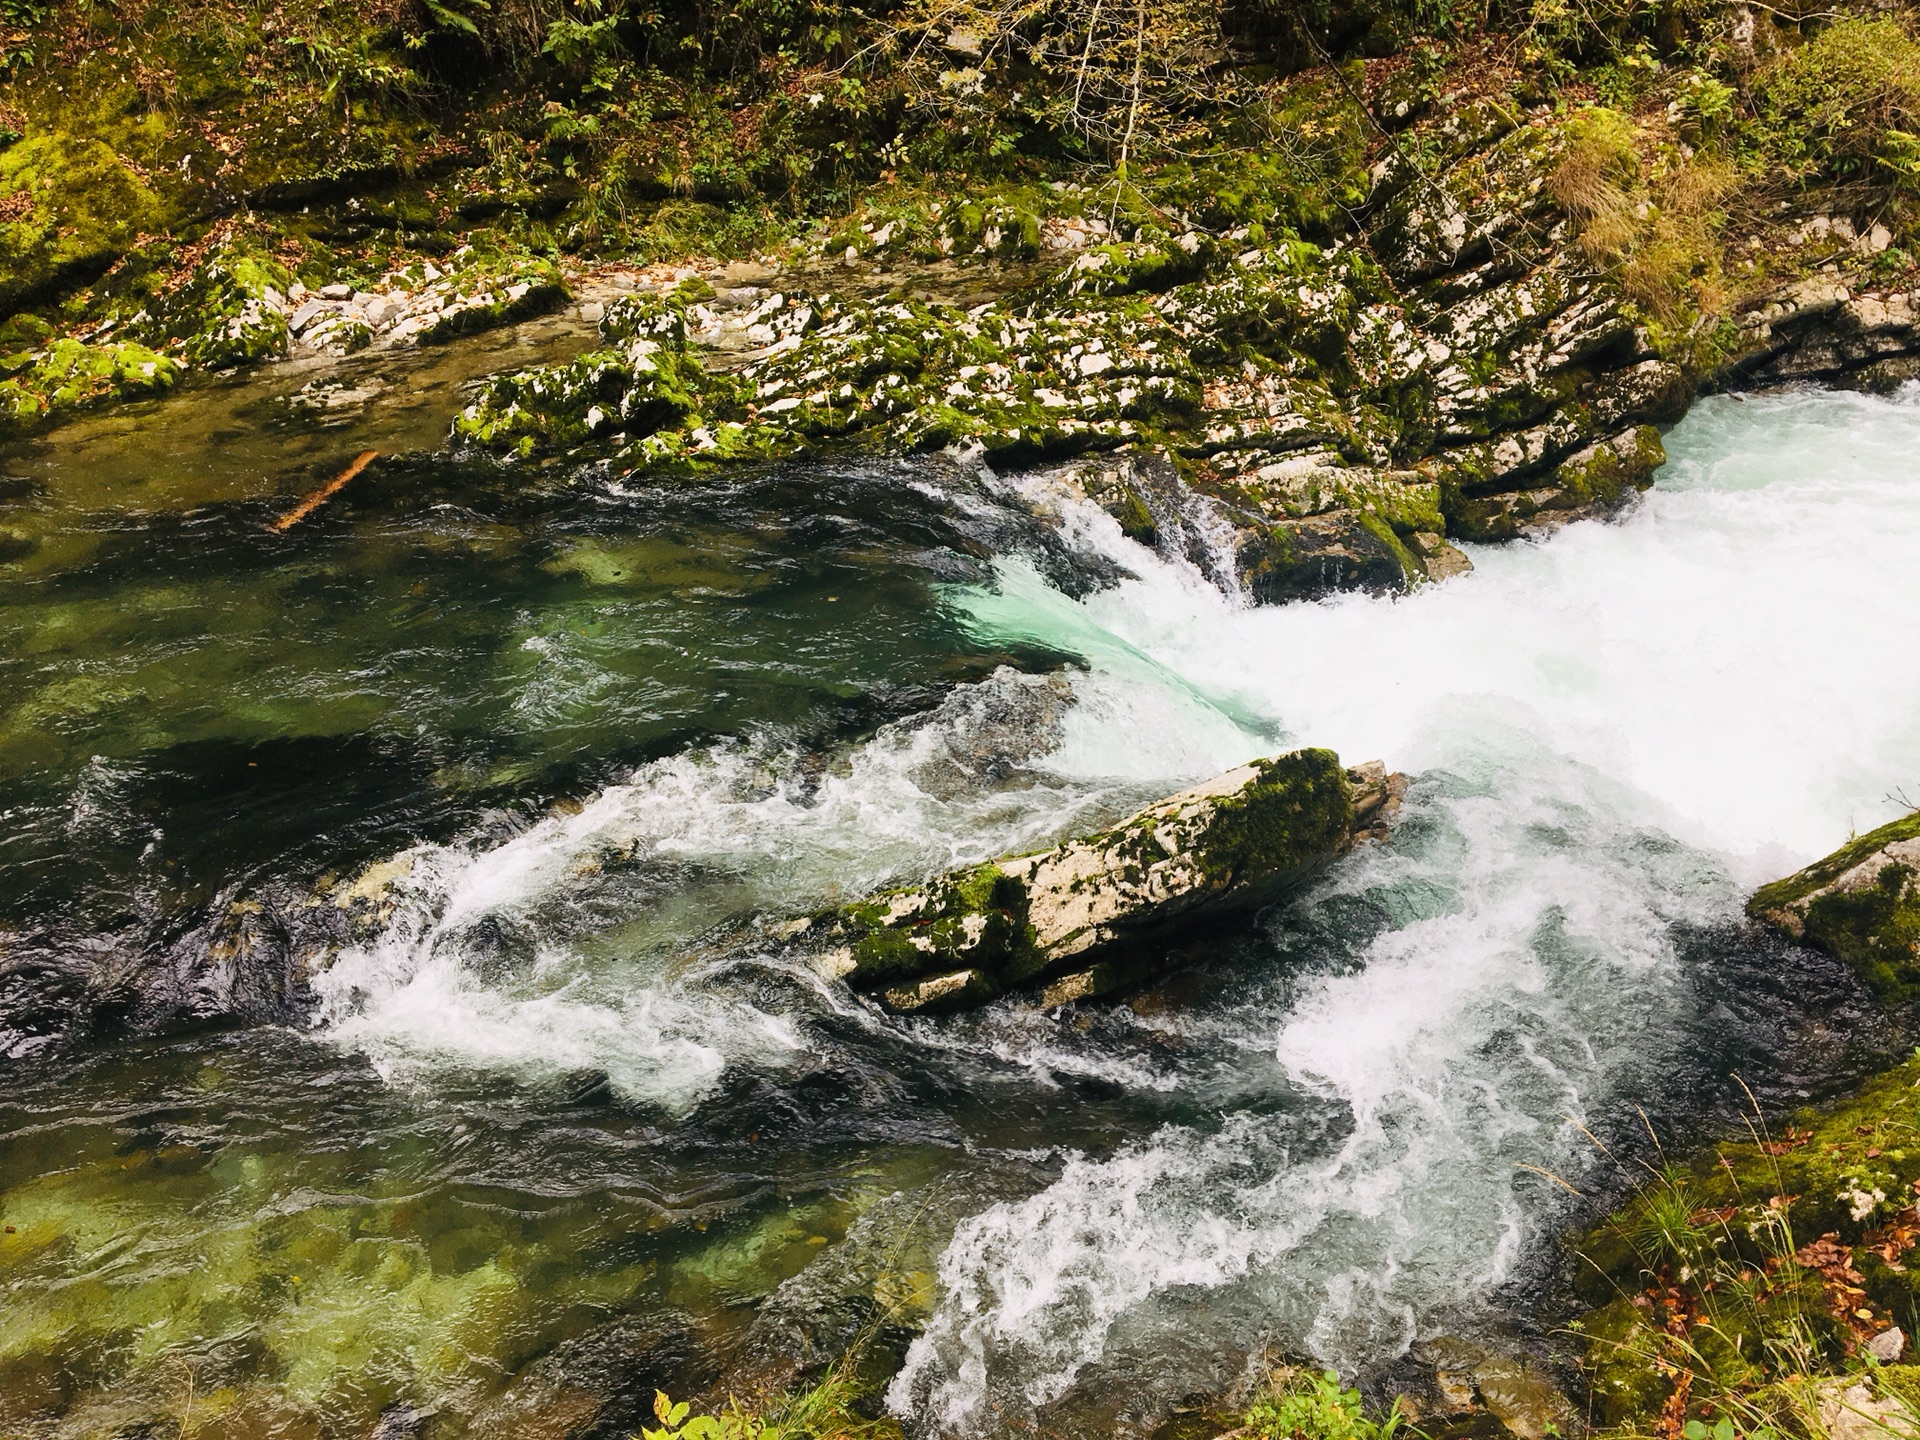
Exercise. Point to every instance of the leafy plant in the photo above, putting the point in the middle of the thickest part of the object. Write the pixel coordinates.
(1840, 101)
(1306, 1405)
(730, 1424)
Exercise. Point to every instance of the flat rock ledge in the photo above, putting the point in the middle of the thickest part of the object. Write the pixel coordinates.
(1861, 904)
(1099, 913)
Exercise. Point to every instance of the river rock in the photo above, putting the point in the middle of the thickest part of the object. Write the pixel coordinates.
(1861, 904)
(1095, 915)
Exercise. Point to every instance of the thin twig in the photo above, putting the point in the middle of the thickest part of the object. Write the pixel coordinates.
(325, 493)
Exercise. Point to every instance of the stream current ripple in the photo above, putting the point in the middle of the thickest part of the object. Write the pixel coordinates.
(566, 1091)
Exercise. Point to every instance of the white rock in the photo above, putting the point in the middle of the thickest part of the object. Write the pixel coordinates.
(1852, 1413)
(1888, 1345)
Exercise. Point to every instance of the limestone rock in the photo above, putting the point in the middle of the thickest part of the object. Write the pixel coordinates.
(1851, 1411)
(1860, 904)
(1889, 1345)
(1103, 906)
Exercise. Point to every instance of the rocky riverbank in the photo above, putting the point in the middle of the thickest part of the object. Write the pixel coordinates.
(1462, 313)
(1767, 1278)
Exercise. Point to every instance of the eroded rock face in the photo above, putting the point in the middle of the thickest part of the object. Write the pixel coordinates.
(1094, 915)
(1861, 904)
(1452, 369)
(1821, 330)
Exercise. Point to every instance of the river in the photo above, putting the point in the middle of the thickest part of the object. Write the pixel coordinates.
(567, 1123)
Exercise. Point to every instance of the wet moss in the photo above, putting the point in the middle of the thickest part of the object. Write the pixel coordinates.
(974, 920)
(76, 207)
(234, 310)
(1873, 926)
(1297, 810)
(70, 375)
(1759, 1259)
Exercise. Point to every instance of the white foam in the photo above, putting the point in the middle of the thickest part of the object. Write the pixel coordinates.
(597, 908)
(1732, 665)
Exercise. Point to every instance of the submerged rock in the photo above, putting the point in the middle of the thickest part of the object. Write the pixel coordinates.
(1861, 904)
(1094, 915)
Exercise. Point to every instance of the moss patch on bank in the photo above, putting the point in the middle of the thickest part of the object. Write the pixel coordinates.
(1861, 904)
(1729, 1284)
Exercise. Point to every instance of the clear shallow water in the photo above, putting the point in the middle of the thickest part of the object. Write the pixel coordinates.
(559, 1107)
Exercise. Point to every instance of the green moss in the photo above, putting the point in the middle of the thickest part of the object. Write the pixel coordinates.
(83, 206)
(1411, 570)
(1721, 1244)
(1875, 927)
(69, 375)
(1297, 810)
(233, 311)
(1836, 103)
(973, 920)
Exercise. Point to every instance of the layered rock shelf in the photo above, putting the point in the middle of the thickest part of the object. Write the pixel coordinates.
(1456, 370)
(1106, 911)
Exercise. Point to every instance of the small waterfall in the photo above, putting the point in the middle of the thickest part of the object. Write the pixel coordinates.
(1150, 504)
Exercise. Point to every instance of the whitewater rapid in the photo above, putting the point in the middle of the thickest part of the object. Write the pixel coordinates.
(1614, 733)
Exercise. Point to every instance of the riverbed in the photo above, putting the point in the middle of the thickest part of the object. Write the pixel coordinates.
(568, 1122)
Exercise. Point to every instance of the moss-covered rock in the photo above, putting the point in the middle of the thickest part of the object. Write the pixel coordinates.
(479, 290)
(645, 382)
(1097, 913)
(41, 386)
(1781, 1252)
(234, 310)
(72, 207)
(1860, 904)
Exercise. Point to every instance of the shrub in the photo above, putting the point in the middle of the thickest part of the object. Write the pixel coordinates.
(1842, 103)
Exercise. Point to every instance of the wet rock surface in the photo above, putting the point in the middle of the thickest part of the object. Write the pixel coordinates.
(1861, 904)
(239, 306)
(1095, 915)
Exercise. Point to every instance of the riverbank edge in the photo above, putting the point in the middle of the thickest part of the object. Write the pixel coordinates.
(1759, 1278)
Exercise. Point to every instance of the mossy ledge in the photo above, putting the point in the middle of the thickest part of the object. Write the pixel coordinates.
(1861, 904)
(1099, 913)
(1734, 1284)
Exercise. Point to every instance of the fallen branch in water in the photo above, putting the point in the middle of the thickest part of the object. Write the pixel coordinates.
(320, 497)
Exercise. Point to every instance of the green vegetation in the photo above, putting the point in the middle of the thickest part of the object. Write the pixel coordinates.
(1731, 1286)
(830, 1409)
(161, 169)
(1310, 1405)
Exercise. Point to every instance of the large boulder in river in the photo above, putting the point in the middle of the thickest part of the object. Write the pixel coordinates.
(1861, 904)
(1098, 913)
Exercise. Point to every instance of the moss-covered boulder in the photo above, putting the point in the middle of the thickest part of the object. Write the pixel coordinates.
(40, 386)
(1860, 904)
(1099, 913)
(233, 311)
(71, 207)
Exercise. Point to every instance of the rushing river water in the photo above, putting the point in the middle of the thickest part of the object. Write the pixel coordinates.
(566, 1125)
